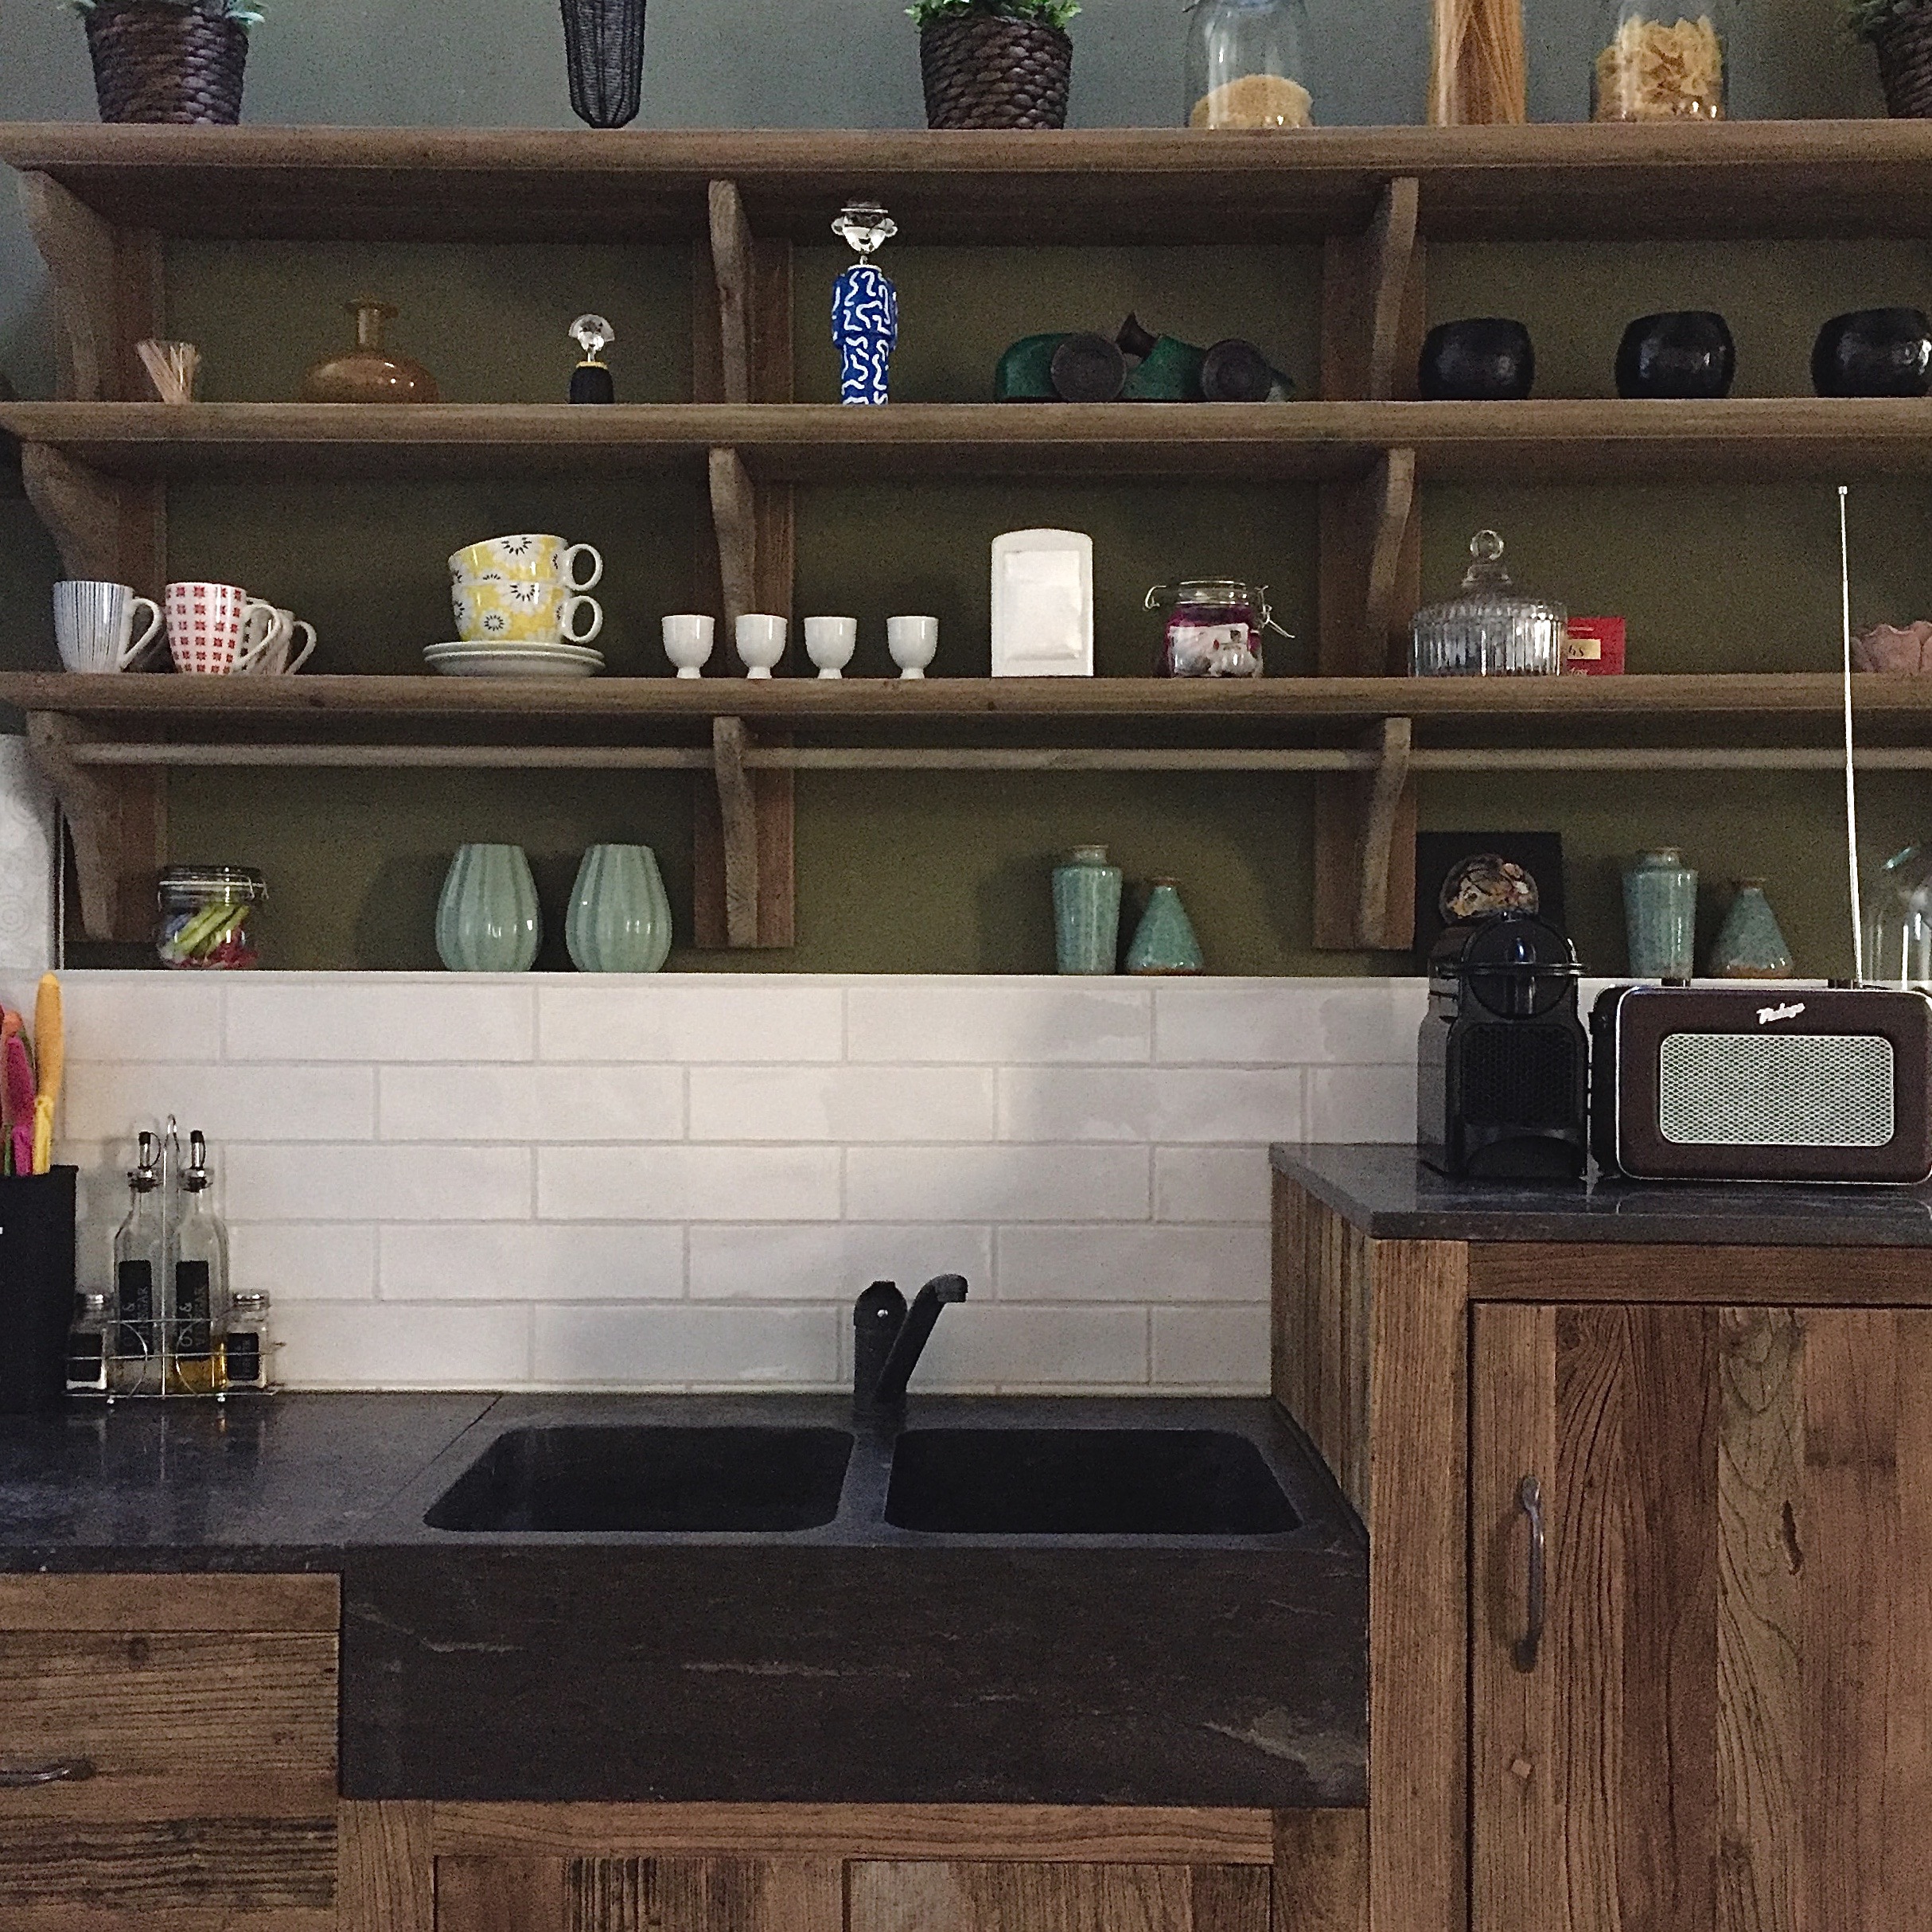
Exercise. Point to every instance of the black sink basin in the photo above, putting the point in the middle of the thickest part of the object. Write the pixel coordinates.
(1072, 1482)
(606, 1478)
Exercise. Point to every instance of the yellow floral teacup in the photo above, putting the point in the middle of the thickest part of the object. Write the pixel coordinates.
(518, 559)
(522, 612)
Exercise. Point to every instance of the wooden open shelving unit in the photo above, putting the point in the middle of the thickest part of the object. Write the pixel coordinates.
(97, 462)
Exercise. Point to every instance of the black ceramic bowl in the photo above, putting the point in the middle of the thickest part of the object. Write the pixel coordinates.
(1686, 355)
(1486, 359)
(1873, 352)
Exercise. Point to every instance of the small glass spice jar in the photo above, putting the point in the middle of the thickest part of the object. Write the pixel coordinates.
(1245, 65)
(1491, 629)
(244, 1348)
(204, 912)
(1214, 627)
(1661, 60)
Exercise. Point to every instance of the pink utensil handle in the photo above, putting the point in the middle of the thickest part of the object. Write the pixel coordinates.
(23, 1146)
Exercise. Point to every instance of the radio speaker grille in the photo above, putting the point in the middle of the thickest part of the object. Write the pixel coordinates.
(1775, 1090)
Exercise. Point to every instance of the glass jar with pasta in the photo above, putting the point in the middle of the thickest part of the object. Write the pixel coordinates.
(1245, 65)
(1662, 61)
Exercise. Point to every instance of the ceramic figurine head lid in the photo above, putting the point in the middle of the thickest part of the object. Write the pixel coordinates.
(592, 335)
(866, 226)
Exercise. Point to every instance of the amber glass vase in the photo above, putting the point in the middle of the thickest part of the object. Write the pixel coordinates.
(369, 373)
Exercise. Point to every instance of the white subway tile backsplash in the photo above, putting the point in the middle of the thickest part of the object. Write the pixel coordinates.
(687, 1183)
(308, 1261)
(379, 1018)
(842, 1103)
(531, 1103)
(378, 1183)
(1186, 1104)
(687, 1345)
(142, 1016)
(1260, 1022)
(1224, 1349)
(1211, 1184)
(1060, 1183)
(532, 1261)
(371, 1345)
(1148, 1263)
(993, 1345)
(1361, 1102)
(983, 1022)
(691, 1018)
(112, 1101)
(831, 1262)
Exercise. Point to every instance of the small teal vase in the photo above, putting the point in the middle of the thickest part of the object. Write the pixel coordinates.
(619, 920)
(1659, 915)
(487, 918)
(1749, 943)
(1164, 940)
(1086, 911)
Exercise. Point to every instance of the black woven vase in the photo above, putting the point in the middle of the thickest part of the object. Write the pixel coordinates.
(982, 70)
(1904, 47)
(603, 43)
(154, 61)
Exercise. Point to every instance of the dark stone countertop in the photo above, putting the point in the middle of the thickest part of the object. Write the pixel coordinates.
(1391, 1195)
(851, 1663)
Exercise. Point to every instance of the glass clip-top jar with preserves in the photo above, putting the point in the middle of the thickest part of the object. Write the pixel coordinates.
(1214, 627)
(1662, 61)
(1244, 65)
(205, 915)
(1489, 629)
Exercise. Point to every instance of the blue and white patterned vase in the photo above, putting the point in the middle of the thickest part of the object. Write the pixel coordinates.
(865, 308)
(487, 919)
(620, 919)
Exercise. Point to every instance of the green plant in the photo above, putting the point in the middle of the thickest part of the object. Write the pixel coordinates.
(1869, 18)
(240, 11)
(1049, 13)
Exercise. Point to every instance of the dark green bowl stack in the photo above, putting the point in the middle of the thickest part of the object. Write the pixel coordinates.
(158, 62)
(983, 70)
(1904, 47)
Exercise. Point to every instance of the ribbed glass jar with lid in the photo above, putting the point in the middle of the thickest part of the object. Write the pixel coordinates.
(1244, 66)
(1661, 60)
(1491, 629)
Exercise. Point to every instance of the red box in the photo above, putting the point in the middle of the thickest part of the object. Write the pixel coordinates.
(1593, 647)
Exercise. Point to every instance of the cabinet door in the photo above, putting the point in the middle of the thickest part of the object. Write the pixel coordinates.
(1727, 1726)
(977, 1895)
(638, 1895)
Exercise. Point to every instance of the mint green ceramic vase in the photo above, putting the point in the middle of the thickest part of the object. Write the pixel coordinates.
(1164, 941)
(1749, 944)
(1086, 911)
(487, 919)
(620, 919)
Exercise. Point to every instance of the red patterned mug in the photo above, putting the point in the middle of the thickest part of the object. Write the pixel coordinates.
(205, 624)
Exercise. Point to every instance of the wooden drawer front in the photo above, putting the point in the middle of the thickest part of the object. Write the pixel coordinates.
(934, 1895)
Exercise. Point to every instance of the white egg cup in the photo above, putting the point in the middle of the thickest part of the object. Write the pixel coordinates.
(913, 643)
(688, 643)
(829, 642)
(760, 642)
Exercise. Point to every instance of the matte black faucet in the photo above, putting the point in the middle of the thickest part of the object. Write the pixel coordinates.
(886, 1341)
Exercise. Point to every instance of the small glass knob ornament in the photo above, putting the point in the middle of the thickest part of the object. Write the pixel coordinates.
(865, 306)
(591, 381)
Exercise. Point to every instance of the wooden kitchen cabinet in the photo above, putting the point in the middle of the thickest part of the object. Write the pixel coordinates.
(168, 1753)
(1729, 1721)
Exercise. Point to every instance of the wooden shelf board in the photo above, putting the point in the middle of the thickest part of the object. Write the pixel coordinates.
(1834, 179)
(1757, 439)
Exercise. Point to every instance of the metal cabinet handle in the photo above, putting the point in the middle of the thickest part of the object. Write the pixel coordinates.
(62, 1771)
(1529, 1499)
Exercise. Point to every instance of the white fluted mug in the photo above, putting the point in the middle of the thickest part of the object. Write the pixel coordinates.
(94, 622)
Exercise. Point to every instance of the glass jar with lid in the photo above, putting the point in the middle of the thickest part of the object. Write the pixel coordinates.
(1898, 921)
(1214, 627)
(204, 913)
(1661, 60)
(1245, 65)
(1490, 629)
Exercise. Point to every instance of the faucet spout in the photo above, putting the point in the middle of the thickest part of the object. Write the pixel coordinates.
(888, 1339)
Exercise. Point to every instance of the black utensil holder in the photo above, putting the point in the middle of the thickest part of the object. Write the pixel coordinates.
(37, 1288)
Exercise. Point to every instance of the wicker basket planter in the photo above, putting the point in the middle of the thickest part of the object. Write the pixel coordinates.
(603, 44)
(159, 61)
(983, 70)
(1904, 48)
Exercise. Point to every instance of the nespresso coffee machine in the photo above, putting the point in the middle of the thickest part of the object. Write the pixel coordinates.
(1503, 1074)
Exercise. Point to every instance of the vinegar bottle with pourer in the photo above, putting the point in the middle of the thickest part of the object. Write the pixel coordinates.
(198, 1305)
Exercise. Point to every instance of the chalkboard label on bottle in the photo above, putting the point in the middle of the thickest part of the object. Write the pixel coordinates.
(192, 1334)
(135, 1303)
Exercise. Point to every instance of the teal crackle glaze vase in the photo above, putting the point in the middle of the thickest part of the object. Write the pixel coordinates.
(1659, 915)
(620, 919)
(1164, 941)
(1749, 944)
(1086, 911)
(487, 919)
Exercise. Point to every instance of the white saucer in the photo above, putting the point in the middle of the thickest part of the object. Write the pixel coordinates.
(467, 659)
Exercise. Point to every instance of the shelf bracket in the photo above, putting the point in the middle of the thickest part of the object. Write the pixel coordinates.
(734, 517)
(738, 818)
(1392, 255)
(1390, 504)
(1371, 301)
(107, 293)
(743, 887)
(1371, 570)
(1364, 830)
(117, 819)
(732, 270)
(109, 528)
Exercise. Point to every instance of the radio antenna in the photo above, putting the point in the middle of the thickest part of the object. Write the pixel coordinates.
(1851, 779)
